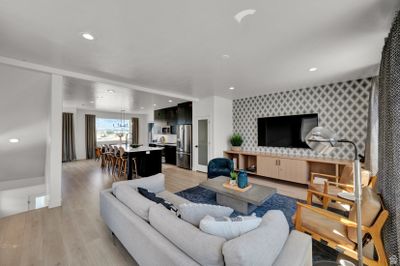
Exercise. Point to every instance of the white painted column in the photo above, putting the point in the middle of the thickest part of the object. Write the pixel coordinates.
(54, 143)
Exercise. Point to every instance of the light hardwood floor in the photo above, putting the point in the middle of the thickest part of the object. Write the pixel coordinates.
(74, 234)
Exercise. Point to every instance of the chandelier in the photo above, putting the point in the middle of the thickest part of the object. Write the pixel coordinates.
(121, 127)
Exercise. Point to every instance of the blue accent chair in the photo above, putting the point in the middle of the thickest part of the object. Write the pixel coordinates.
(219, 167)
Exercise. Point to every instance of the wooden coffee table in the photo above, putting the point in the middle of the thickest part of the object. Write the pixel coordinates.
(243, 202)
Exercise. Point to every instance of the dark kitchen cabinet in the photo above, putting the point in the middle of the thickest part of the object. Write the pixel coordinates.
(171, 115)
(184, 113)
(159, 115)
(168, 115)
(170, 154)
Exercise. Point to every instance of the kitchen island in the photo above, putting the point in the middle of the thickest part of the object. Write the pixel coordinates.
(148, 160)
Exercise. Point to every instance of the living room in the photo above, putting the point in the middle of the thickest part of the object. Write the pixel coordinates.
(181, 133)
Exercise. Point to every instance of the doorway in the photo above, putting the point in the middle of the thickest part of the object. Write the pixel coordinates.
(203, 143)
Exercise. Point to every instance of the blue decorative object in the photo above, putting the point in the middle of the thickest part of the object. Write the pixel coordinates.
(242, 179)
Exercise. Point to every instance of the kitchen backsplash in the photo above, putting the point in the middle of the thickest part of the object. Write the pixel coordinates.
(169, 138)
(341, 107)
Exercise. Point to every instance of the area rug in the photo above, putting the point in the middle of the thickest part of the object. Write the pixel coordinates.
(277, 202)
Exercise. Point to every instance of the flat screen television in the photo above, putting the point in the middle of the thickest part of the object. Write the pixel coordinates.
(286, 131)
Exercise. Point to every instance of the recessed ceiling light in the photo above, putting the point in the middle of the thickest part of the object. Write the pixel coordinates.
(232, 88)
(244, 13)
(154, 104)
(111, 91)
(313, 69)
(13, 140)
(226, 56)
(87, 36)
(170, 101)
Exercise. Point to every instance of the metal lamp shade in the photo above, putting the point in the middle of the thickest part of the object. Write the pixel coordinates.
(321, 140)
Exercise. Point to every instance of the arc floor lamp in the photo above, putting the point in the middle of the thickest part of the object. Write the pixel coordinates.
(324, 141)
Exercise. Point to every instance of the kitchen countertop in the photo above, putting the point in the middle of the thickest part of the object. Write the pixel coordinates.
(163, 144)
(140, 149)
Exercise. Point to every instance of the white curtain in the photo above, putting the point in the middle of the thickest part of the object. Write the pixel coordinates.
(371, 145)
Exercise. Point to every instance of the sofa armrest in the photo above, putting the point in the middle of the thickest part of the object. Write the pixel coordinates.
(154, 183)
(297, 250)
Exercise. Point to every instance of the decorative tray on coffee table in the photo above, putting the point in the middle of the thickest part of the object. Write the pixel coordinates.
(236, 188)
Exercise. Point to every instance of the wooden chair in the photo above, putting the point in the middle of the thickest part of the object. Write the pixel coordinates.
(98, 153)
(332, 185)
(339, 232)
(103, 150)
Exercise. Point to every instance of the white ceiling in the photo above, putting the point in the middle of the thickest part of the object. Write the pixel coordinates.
(24, 109)
(89, 95)
(177, 45)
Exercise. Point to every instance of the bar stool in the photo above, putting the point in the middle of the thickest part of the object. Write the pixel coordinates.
(110, 160)
(134, 168)
(123, 159)
(123, 164)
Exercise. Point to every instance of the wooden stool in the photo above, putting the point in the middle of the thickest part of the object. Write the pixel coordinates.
(134, 168)
(122, 162)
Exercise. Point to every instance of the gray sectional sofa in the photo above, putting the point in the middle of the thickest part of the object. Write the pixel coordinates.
(154, 235)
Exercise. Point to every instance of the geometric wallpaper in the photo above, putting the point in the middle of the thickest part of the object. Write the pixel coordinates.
(341, 107)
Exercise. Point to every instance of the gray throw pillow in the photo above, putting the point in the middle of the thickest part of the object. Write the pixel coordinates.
(194, 212)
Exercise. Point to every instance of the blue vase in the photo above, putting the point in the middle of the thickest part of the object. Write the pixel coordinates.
(242, 179)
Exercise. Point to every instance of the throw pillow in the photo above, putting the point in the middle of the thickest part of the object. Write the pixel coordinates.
(152, 196)
(194, 212)
(133, 200)
(229, 228)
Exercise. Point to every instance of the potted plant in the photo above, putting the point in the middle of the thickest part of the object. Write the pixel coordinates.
(236, 141)
(233, 179)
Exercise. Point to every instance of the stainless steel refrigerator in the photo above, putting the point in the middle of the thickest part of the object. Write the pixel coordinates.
(184, 146)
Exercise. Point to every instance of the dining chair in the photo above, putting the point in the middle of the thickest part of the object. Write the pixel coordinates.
(102, 156)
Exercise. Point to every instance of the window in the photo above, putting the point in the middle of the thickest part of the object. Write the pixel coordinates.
(107, 129)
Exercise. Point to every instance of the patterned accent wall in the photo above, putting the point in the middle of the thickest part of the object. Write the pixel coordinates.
(341, 107)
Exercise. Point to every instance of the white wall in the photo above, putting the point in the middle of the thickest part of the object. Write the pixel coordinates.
(24, 106)
(219, 112)
(222, 129)
(25, 114)
(16, 200)
(79, 125)
(54, 143)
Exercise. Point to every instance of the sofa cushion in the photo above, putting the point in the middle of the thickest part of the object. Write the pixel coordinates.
(173, 198)
(134, 201)
(154, 183)
(229, 228)
(297, 250)
(204, 248)
(194, 212)
(260, 246)
(370, 208)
